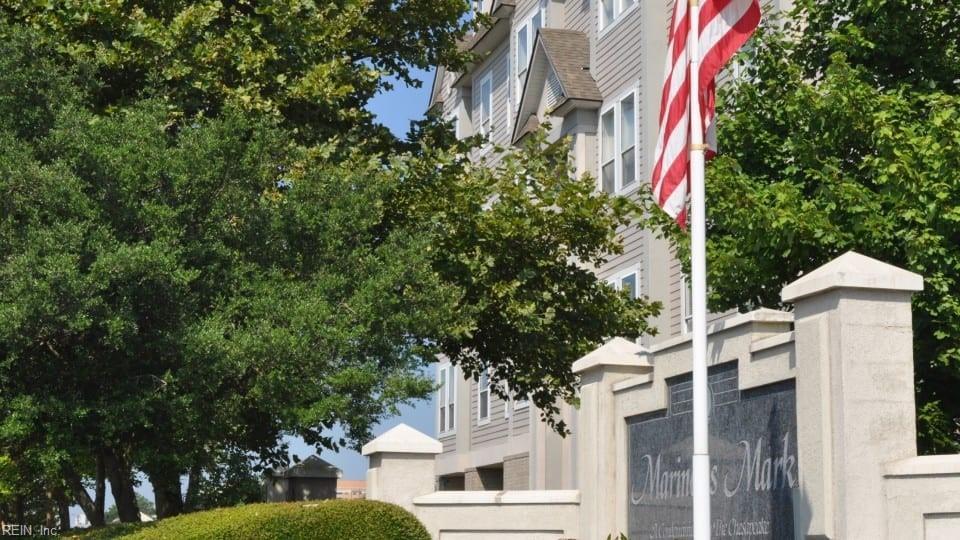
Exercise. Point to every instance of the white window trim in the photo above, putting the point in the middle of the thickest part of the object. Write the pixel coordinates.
(477, 107)
(616, 280)
(442, 375)
(685, 292)
(615, 106)
(525, 25)
(604, 27)
(454, 117)
(481, 421)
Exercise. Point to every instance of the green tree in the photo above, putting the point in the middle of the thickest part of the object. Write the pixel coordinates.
(231, 479)
(169, 291)
(146, 507)
(845, 135)
(315, 64)
(8, 478)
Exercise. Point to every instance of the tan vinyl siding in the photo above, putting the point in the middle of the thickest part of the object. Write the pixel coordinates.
(581, 15)
(501, 127)
(524, 8)
(449, 443)
(496, 429)
(675, 296)
(521, 421)
(633, 239)
(620, 53)
(552, 91)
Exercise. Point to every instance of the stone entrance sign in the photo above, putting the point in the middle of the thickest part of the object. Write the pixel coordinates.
(753, 457)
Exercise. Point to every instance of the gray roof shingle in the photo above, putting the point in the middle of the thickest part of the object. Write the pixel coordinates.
(569, 53)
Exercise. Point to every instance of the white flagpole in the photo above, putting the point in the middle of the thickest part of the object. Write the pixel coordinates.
(701, 407)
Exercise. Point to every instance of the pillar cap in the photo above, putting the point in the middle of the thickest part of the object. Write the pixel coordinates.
(616, 352)
(403, 439)
(852, 271)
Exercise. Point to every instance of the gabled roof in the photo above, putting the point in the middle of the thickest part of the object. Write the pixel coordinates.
(566, 54)
(502, 9)
(437, 91)
(569, 53)
(312, 467)
(532, 124)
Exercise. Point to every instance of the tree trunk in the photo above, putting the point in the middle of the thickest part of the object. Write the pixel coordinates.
(193, 488)
(21, 510)
(49, 509)
(167, 493)
(63, 509)
(93, 509)
(121, 485)
(100, 489)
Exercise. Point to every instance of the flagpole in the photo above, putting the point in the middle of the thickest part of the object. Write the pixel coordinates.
(701, 408)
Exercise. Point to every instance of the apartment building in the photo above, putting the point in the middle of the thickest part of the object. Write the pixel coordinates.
(593, 69)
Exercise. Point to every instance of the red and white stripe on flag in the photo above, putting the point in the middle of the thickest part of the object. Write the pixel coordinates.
(725, 25)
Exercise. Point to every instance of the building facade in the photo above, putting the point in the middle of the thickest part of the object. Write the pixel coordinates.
(593, 70)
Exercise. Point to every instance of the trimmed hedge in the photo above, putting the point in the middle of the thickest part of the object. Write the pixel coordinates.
(321, 520)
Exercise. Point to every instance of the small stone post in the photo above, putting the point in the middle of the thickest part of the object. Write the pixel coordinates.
(401, 466)
(596, 435)
(855, 391)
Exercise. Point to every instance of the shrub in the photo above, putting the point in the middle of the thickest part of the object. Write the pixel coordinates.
(321, 520)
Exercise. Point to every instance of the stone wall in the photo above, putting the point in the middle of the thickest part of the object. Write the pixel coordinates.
(843, 360)
(516, 472)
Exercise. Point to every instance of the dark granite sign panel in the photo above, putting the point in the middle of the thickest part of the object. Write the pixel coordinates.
(753, 462)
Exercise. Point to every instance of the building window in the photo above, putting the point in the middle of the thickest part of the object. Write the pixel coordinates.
(686, 306)
(526, 35)
(618, 145)
(483, 398)
(447, 399)
(453, 118)
(627, 281)
(612, 11)
(484, 105)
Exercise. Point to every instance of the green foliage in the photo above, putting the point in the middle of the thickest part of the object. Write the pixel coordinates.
(144, 504)
(176, 290)
(230, 480)
(327, 520)
(519, 241)
(316, 64)
(863, 156)
(8, 478)
(914, 43)
(36, 82)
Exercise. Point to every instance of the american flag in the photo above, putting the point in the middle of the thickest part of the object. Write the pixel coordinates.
(725, 25)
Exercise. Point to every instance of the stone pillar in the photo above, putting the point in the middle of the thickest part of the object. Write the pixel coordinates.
(401, 466)
(597, 449)
(855, 391)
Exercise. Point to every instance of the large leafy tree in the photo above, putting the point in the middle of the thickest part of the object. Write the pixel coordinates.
(182, 287)
(845, 135)
(315, 64)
